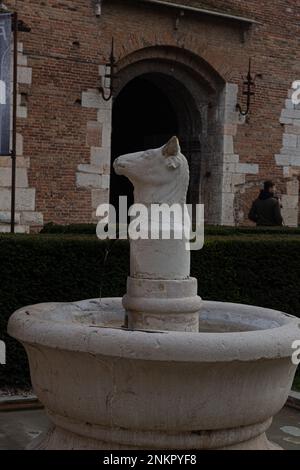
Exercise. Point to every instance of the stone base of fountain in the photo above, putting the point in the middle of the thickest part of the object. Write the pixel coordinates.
(61, 438)
(107, 387)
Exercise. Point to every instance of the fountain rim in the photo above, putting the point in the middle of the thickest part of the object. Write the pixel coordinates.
(27, 326)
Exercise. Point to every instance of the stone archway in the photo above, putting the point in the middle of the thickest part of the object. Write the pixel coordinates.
(143, 118)
(204, 110)
(147, 112)
(193, 92)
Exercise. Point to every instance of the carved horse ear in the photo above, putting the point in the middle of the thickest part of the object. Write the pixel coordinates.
(172, 153)
(172, 148)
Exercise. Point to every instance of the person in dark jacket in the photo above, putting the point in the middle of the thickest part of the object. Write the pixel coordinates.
(266, 210)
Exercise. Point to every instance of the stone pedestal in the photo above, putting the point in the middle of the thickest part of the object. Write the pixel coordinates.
(162, 304)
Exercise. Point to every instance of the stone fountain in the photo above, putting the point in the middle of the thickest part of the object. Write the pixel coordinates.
(184, 373)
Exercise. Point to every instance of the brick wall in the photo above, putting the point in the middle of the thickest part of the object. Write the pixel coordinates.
(65, 136)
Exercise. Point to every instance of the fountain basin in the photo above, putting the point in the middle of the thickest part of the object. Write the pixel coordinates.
(106, 387)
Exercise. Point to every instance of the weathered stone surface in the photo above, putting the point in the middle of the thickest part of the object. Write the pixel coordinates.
(282, 160)
(290, 114)
(295, 130)
(284, 120)
(24, 75)
(247, 168)
(94, 134)
(293, 187)
(166, 260)
(238, 179)
(21, 178)
(88, 180)
(227, 208)
(231, 158)
(5, 217)
(102, 70)
(98, 170)
(290, 210)
(100, 156)
(99, 196)
(290, 151)
(25, 199)
(228, 144)
(92, 99)
(19, 149)
(22, 112)
(32, 218)
(104, 116)
(290, 140)
(106, 135)
(22, 59)
(105, 181)
(5, 228)
(173, 373)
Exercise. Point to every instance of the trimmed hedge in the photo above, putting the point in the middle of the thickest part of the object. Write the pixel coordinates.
(260, 270)
(73, 229)
(210, 230)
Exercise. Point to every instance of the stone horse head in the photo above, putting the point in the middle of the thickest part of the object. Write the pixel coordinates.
(159, 175)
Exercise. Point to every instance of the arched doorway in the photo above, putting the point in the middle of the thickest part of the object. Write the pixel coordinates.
(161, 91)
(143, 118)
(149, 109)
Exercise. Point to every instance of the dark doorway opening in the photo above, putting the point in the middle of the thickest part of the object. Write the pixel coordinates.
(143, 118)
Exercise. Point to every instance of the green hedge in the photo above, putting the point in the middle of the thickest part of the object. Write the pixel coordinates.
(262, 270)
(210, 230)
(73, 229)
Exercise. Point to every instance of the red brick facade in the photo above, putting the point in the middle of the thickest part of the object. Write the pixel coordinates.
(68, 43)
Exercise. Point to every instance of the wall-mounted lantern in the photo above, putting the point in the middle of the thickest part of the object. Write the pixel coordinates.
(98, 7)
(110, 74)
(248, 90)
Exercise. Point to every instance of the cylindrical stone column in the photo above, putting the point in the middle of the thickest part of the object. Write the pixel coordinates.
(170, 305)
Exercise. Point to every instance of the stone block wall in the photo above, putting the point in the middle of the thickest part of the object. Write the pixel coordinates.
(26, 216)
(95, 175)
(289, 160)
